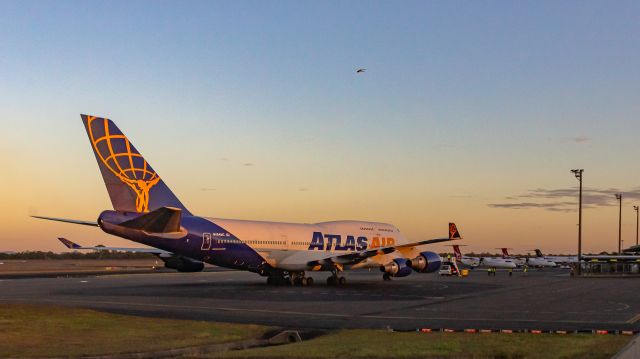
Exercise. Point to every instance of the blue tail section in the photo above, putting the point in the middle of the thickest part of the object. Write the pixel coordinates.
(132, 183)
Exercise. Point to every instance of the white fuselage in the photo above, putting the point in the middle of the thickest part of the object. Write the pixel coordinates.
(540, 262)
(295, 247)
(561, 259)
(469, 261)
(493, 262)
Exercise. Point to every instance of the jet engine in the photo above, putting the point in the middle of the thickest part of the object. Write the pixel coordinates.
(425, 262)
(183, 264)
(396, 268)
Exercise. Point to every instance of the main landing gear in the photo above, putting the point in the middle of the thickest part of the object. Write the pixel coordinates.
(386, 276)
(296, 279)
(299, 279)
(336, 279)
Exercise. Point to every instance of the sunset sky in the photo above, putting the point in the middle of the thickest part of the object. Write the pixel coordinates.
(469, 111)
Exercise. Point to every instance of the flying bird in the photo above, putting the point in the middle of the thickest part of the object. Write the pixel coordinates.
(360, 71)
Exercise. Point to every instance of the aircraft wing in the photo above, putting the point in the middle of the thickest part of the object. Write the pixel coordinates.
(71, 245)
(355, 257)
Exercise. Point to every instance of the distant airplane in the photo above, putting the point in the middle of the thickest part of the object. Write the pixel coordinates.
(529, 261)
(464, 260)
(563, 260)
(483, 262)
(632, 249)
(147, 212)
(359, 71)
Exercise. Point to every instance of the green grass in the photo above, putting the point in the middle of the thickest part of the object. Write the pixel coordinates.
(382, 344)
(44, 331)
(37, 331)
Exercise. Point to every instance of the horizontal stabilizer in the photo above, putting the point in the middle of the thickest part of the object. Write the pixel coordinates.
(74, 221)
(69, 244)
(162, 220)
(159, 252)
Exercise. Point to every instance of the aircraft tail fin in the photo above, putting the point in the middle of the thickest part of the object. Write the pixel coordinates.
(539, 253)
(453, 231)
(505, 252)
(132, 184)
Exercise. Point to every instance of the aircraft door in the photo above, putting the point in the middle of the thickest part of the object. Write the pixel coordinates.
(206, 241)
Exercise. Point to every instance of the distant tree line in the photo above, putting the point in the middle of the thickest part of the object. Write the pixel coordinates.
(76, 255)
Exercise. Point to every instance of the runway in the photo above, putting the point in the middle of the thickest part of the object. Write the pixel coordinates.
(545, 300)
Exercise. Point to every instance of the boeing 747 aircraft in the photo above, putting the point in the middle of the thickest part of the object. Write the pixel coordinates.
(147, 212)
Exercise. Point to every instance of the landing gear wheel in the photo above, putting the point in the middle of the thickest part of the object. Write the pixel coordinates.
(269, 280)
(386, 277)
(303, 281)
(309, 281)
(332, 280)
(342, 281)
(297, 281)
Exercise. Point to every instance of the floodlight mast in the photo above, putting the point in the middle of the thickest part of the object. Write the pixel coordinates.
(619, 198)
(637, 209)
(578, 174)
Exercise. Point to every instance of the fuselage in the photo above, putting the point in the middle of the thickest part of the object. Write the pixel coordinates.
(561, 259)
(540, 262)
(492, 262)
(469, 261)
(258, 246)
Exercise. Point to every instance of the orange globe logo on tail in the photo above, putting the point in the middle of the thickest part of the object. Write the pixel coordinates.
(118, 155)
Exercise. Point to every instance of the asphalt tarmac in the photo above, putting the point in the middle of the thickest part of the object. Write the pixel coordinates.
(544, 300)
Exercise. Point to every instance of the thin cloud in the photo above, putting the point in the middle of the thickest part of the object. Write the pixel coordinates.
(581, 139)
(206, 189)
(248, 164)
(566, 199)
(303, 189)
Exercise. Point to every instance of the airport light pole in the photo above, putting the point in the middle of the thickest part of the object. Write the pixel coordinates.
(619, 198)
(637, 221)
(578, 174)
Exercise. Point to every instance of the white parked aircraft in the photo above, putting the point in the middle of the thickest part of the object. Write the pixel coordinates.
(564, 260)
(483, 262)
(529, 261)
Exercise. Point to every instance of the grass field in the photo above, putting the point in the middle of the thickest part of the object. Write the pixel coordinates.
(382, 344)
(41, 331)
(45, 331)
